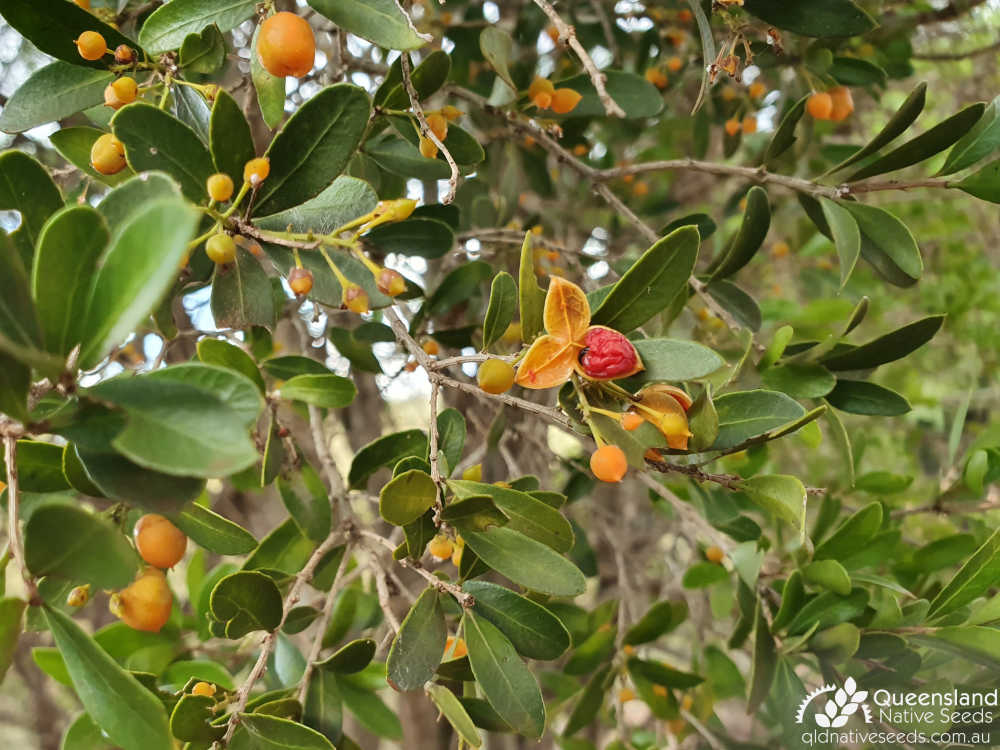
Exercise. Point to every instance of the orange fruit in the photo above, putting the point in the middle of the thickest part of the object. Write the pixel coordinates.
(107, 155)
(124, 54)
(714, 554)
(121, 92)
(757, 90)
(431, 347)
(674, 64)
(779, 250)
(609, 463)
(91, 45)
(355, 299)
(428, 149)
(145, 604)
(631, 420)
(390, 282)
(203, 688)
(749, 124)
(220, 248)
(159, 542)
(300, 281)
(540, 85)
(455, 648)
(565, 101)
(286, 45)
(220, 187)
(495, 376)
(256, 170)
(843, 103)
(438, 125)
(820, 106)
(732, 126)
(626, 694)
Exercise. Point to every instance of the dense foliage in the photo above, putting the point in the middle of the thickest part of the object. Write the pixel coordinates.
(614, 375)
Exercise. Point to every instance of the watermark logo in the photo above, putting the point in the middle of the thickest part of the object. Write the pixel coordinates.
(841, 706)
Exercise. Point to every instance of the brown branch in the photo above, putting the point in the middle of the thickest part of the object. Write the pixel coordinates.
(464, 598)
(425, 129)
(873, 186)
(729, 481)
(567, 35)
(14, 516)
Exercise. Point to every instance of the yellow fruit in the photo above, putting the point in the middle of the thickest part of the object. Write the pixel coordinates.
(390, 282)
(221, 248)
(714, 554)
(626, 695)
(256, 170)
(107, 155)
(456, 556)
(431, 347)
(220, 187)
(428, 149)
(843, 103)
(757, 90)
(495, 376)
(441, 547)
(203, 688)
(355, 299)
(609, 463)
(91, 45)
(540, 85)
(121, 92)
(145, 604)
(79, 596)
(158, 541)
(286, 45)
(124, 54)
(300, 281)
(438, 125)
(565, 101)
(451, 113)
(473, 473)
(779, 250)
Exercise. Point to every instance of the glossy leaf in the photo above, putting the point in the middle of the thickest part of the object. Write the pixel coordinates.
(983, 184)
(241, 293)
(214, 532)
(379, 21)
(305, 498)
(352, 657)
(852, 534)
(530, 516)
(229, 137)
(674, 360)
(980, 141)
(784, 136)
(765, 658)
(780, 494)
(887, 348)
(862, 397)
(455, 713)
(497, 47)
(169, 25)
(328, 391)
(907, 113)
(419, 236)
(11, 626)
(501, 309)
(590, 701)
(887, 244)
(407, 497)
(526, 561)
(979, 573)
(417, 649)
(385, 451)
(747, 414)
(39, 467)
(270, 89)
(531, 298)
(26, 187)
(749, 238)
(223, 354)
(846, 236)
(534, 631)
(246, 601)
(633, 93)
(816, 18)
(51, 93)
(661, 618)
(275, 733)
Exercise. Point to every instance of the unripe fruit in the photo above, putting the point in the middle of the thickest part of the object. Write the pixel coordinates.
(220, 187)
(78, 596)
(428, 149)
(565, 100)
(107, 155)
(608, 354)
(757, 90)
(473, 473)
(286, 45)
(820, 106)
(631, 420)
(390, 282)
(431, 347)
(441, 547)
(300, 281)
(714, 554)
(145, 604)
(159, 542)
(455, 648)
(674, 64)
(732, 126)
(749, 124)
(203, 688)
(124, 54)
(91, 45)
(843, 103)
(355, 299)
(495, 376)
(438, 125)
(256, 170)
(609, 463)
(121, 92)
(221, 248)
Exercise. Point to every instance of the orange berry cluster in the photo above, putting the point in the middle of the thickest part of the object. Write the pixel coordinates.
(545, 95)
(837, 104)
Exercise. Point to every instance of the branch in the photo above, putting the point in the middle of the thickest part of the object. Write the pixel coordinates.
(729, 481)
(425, 129)
(567, 35)
(14, 515)
(464, 598)
(872, 186)
(686, 512)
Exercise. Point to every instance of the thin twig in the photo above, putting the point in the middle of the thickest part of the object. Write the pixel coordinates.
(464, 598)
(856, 188)
(686, 512)
(567, 35)
(731, 482)
(432, 431)
(425, 129)
(14, 515)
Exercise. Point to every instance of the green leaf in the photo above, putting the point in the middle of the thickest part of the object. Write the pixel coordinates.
(475, 513)
(535, 632)
(345, 200)
(458, 286)
(908, 111)
(169, 25)
(852, 535)
(84, 734)
(703, 574)
(651, 282)
(221, 353)
(843, 442)
(980, 645)
(784, 135)
(765, 658)
(975, 578)
(241, 293)
(68, 542)
(451, 436)
(799, 381)
(189, 721)
(51, 93)
(887, 348)
(674, 360)
(270, 89)
(39, 467)
(660, 619)
(828, 574)
(816, 18)
(370, 710)
(984, 183)
(313, 147)
(532, 517)
(407, 497)
(11, 618)
(924, 146)
(328, 391)
(15, 382)
(828, 609)
(980, 141)
(853, 71)
(862, 397)
(53, 29)
(133, 195)
(385, 451)
(633, 93)
(526, 561)
(749, 238)
(429, 76)
(846, 236)
(246, 601)
(887, 244)
(464, 148)
(188, 420)
(285, 549)
(417, 649)
(379, 21)
(214, 532)
(25, 187)
(504, 679)
(703, 420)
(274, 733)
(780, 494)
(229, 137)
(352, 657)
(531, 297)
(65, 264)
(129, 714)
(455, 713)
(497, 47)
(747, 414)
(660, 674)
(419, 236)
(305, 498)
(135, 272)
(590, 702)
(203, 53)
(501, 309)
(155, 139)
(400, 157)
